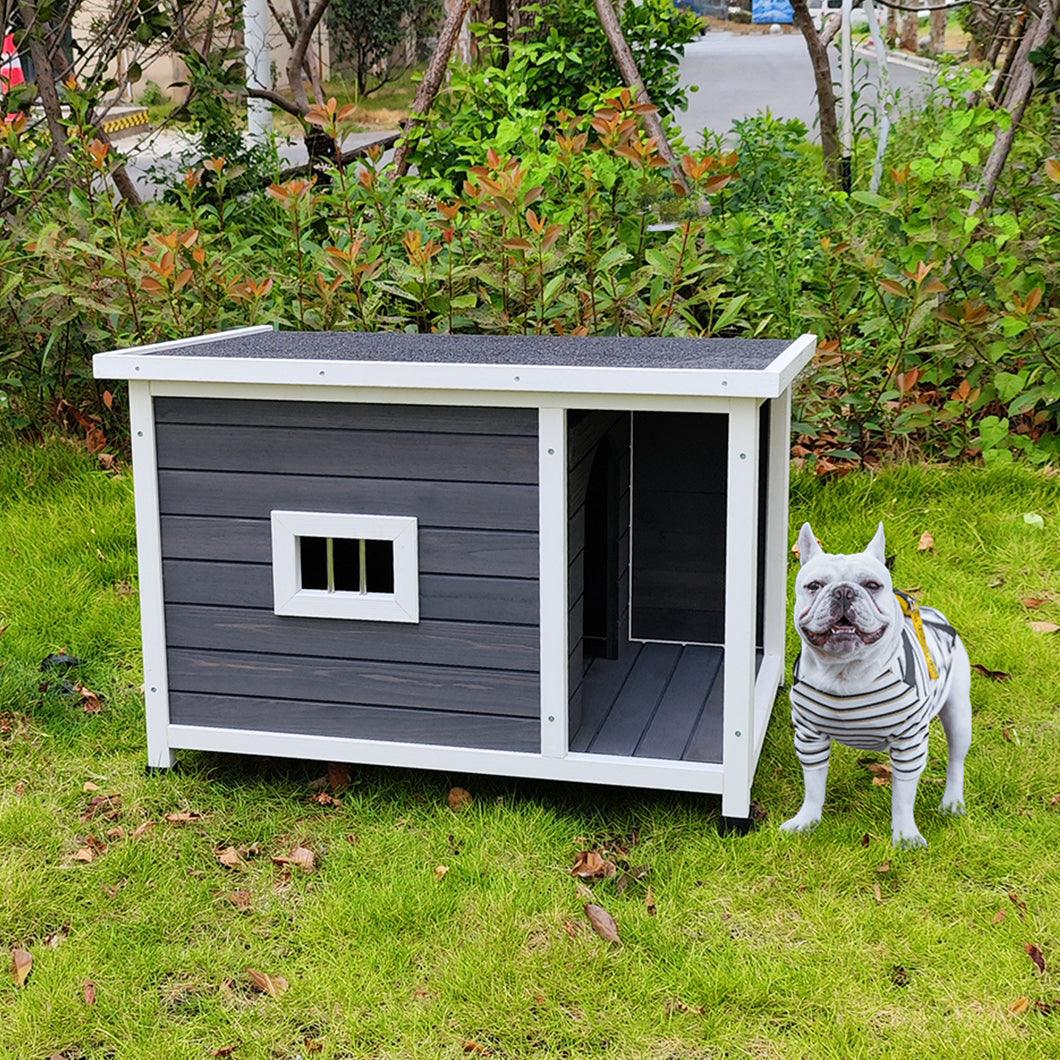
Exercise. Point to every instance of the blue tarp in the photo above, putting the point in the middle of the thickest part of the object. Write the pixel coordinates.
(771, 11)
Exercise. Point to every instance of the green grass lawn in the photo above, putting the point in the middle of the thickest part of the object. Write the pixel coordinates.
(830, 944)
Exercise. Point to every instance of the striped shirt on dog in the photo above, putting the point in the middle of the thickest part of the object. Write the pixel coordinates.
(893, 714)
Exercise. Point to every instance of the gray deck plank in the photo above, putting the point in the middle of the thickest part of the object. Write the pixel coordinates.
(636, 703)
(601, 685)
(679, 709)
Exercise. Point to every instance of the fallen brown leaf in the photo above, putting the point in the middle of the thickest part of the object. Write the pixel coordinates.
(1019, 1006)
(996, 583)
(106, 806)
(89, 786)
(230, 858)
(1036, 955)
(999, 917)
(1044, 627)
(85, 854)
(21, 965)
(675, 1004)
(20, 789)
(459, 799)
(440, 871)
(114, 834)
(884, 867)
(141, 829)
(471, 1046)
(57, 938)
(589, 865)
(91, 702)
(603, 922)
(183, 817)
(273, 985)
(339, 776)
(877, 892)
(1015, 899)
(926, 542)
(224, 1050)
(881, 771)
(1054, 800)
(649, 903)
(88, 992)
(994, 675)
(240, 899)
(323, 798)
(1032, 603)
(571, 927)
(301, 856)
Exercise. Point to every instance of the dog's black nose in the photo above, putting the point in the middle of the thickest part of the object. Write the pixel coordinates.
(843, 593)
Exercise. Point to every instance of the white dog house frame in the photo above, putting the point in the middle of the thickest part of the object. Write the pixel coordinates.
(474, 553)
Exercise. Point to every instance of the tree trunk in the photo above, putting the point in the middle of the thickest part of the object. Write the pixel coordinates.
(1021, 85)
(432, 80)
(891, 32)
(910, 32)
(44, 77)
(938, 32)
(822, 75)
(631, 75)
(499, 18)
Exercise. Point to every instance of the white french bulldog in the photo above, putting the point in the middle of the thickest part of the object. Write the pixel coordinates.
(865, 679)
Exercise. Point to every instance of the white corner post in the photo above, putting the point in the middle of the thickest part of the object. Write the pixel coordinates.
(149, 562)
(883, 94)
(846, 48)
(552, 580)
(775, 624)
(259, 67)
(741, 554)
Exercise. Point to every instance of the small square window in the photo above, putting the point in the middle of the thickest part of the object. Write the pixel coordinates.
(328, 565)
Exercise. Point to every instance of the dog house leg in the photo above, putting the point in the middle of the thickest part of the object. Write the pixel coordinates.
(741, 546)
(149, 559)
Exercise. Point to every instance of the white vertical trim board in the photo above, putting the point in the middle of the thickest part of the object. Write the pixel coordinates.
(741, 541)
(552, 575)
(776, 568)
(149, 561)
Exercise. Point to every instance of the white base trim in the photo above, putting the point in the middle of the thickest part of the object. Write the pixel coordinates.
(705, 778)
(767, 685)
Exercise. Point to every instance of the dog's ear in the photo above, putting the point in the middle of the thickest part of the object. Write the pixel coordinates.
(877, 547)
(808, 547)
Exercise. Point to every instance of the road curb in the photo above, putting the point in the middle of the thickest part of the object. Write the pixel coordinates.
(914, 62)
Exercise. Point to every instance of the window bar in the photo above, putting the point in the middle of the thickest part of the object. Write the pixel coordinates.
(331, 564)
(362, 553)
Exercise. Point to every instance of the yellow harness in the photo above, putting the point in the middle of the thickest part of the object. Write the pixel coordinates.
(911, 611)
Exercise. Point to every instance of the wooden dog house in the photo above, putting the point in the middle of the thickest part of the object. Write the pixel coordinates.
(535, 556)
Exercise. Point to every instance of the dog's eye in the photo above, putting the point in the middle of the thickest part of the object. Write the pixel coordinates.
(814, 586)
(872, 586)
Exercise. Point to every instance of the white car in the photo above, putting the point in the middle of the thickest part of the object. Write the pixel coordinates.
(822, 10)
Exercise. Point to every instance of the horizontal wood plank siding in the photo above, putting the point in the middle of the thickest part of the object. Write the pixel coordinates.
(343, 720)
(468, 476)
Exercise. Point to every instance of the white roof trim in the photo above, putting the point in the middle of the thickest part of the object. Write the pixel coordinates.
(768, 382)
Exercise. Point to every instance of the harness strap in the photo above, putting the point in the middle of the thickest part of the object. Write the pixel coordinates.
(912, 612)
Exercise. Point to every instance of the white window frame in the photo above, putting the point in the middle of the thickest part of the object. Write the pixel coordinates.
(289, 598)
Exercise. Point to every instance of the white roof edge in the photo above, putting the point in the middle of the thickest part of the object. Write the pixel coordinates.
(768, 382)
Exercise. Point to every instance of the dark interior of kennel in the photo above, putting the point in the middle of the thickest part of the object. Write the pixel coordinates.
(646, 501)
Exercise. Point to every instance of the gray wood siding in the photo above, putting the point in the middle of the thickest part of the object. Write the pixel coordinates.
(585, 432)
(465, 675)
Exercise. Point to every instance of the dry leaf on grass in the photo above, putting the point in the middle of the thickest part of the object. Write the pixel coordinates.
(240, 899)
(57, 938)
(88, 992)
(589, 865)
(649, 903)
(273, 985)
(91, 702)
(994, 675)
(877, 893)
(999, 917)
(230, 858)
(440, 871)
(1018, 902)
(603, 922)
(141, 829)
(1032, 603)
(21, 965)
(1036, 955)
(106, 806)
(884, 867)
(926, 542)
(1044, 627)
(1019, 1006)
(85, 854)
(301, 856)
(183, 817)
(881, 771)
(224, 1050)
(571, 927)
(675, 1004)
(89, 786)
(459, 799)
(323, 798)
(471, 1046)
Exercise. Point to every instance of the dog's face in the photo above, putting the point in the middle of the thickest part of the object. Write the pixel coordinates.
(844, 605)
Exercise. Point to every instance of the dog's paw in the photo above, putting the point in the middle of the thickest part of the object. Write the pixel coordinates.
(801, 822)
(952, 805)
(908, 840)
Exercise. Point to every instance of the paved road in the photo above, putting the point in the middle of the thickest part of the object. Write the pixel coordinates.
(741, 74)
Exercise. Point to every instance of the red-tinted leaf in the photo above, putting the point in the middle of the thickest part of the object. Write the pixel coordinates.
(603, 922)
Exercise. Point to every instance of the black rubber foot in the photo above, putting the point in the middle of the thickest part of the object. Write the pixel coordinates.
(735, 825)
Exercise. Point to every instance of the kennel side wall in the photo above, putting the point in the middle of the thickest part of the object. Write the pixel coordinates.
(466, 675)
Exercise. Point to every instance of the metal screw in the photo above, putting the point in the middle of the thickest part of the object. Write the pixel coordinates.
(321, 373)
(551, 717)
(743, 456)
(154, 689)
(139, 434)
(552, 452)
(738, 733)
